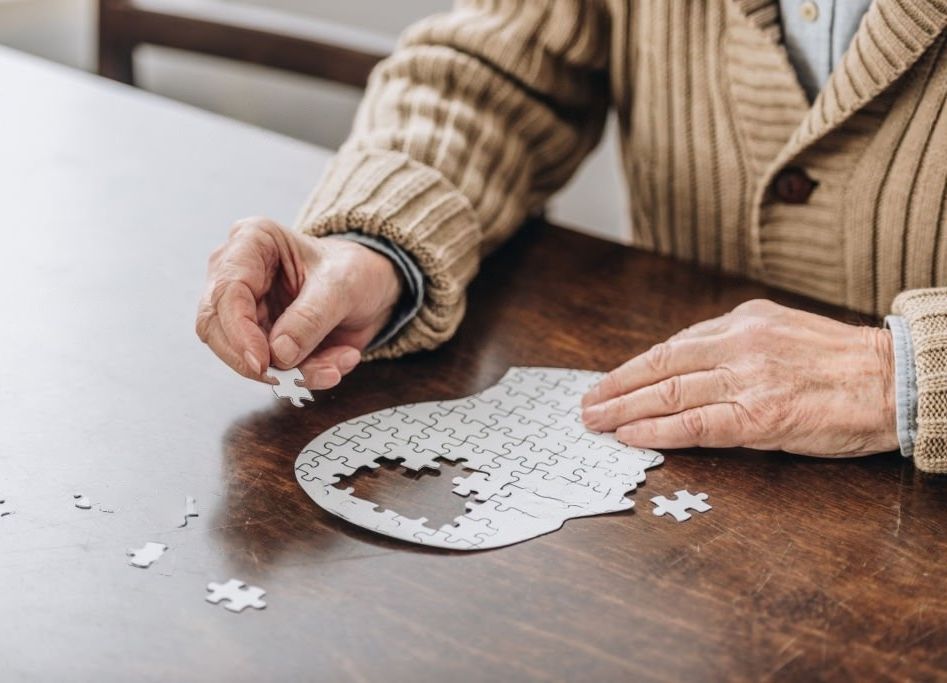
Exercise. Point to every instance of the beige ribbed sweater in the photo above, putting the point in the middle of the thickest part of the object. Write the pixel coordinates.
(485, 111)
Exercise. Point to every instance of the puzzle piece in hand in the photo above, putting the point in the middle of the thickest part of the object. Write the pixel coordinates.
(679, 506)
(532, 464)
(238, 595)
(290, 385)
(147, 555)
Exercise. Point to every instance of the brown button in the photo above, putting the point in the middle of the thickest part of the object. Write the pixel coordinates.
(793, 186)
(809, 11)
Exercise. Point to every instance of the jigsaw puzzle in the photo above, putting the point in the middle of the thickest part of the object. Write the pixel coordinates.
(532, 463)
(82, 502)
(290, 386)
(147, 555)
(238, 595)
(3, 511)
(678, 507)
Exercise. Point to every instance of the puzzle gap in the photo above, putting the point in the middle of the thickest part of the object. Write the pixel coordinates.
(425, 493)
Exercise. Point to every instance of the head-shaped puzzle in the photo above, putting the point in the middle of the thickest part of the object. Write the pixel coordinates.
(533, 464)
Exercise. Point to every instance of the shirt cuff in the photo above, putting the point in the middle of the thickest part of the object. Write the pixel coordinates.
(905, 380)
(413, 296)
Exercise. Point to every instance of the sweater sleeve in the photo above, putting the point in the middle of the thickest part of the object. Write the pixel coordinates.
(478, 117)
(925, 311)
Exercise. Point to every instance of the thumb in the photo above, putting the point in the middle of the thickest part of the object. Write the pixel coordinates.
(307, 321)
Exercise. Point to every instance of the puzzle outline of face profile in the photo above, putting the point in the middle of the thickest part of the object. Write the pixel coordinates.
(533, 464)
(290, 385)
(678, 506)
(237, 594)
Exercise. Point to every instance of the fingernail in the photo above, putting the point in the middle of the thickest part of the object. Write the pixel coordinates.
(326, 378)
(349, 359)
(285, 349)
(252, 361)
(589, 397)
(590, 415)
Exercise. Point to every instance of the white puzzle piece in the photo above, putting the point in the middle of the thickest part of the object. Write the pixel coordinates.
(82, 502)
(678, 507)
(533, 463)
(190, 510)
(238, 595)
(147, 555)
(290, 385)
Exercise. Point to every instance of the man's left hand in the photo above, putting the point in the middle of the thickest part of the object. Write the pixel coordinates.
(763, 376)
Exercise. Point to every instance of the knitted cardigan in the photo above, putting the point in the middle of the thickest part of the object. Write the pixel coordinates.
(485, 111)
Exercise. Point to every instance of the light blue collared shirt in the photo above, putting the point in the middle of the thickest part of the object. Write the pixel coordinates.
(817, 33)
(905, 378)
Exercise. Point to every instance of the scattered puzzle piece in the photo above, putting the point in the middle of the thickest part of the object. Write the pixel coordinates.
(678, 507)
(238, 595)
(531, 463)
(190, 510)
(82, 502)
(290, 385)
(147, 555)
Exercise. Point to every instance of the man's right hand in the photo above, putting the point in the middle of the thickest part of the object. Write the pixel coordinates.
(282, 298)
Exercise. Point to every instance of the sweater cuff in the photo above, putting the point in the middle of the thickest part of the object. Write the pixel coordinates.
(925, 312)
(390, 195)
(905, 381)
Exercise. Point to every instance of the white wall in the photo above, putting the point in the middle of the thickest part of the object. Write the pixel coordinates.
(64, 30)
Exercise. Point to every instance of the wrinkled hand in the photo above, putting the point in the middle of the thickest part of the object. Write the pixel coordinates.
(763, 376)
(279, 297)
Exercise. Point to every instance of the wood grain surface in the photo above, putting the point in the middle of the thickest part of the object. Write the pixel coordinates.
(804, 569)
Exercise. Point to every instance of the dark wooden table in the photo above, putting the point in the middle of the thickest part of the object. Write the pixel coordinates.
(804, 569)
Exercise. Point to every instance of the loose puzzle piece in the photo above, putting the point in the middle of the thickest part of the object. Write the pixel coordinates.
(290, 385)
(190, 509)
(532, 464)
(82, 502)
(147, 555)
(3, 511)
(678, 507)
(238, 595)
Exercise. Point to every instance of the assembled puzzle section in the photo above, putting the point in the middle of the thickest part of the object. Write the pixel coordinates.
(532, 463)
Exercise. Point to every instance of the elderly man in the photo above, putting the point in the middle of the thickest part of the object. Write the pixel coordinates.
(799, 142)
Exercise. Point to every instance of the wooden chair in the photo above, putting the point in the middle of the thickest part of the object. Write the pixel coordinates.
(240, 32)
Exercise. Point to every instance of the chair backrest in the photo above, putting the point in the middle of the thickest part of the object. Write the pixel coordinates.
(241, 32)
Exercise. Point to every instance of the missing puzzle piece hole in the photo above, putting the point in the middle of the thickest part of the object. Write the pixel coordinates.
(426, 493)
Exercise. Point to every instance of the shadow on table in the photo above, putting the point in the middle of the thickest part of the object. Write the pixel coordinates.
(266, 516)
